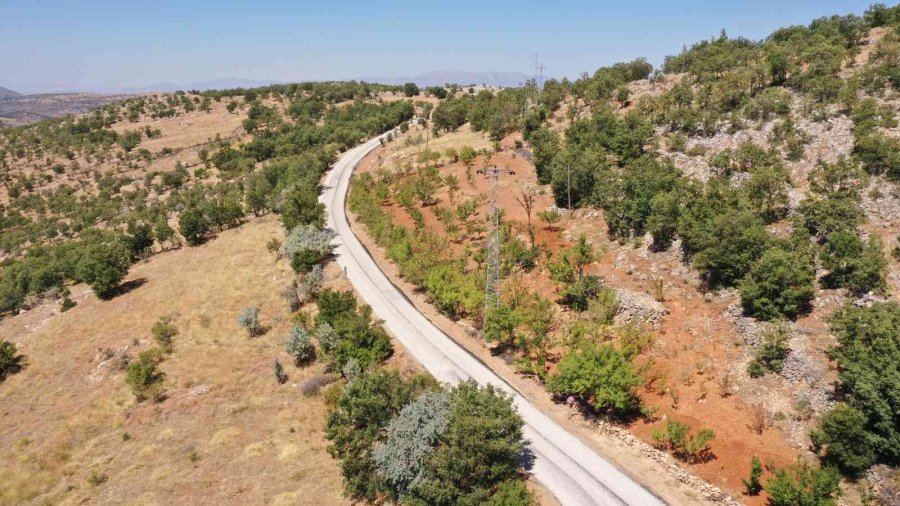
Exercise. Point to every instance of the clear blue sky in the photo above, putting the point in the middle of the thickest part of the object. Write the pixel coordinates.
(108, 44)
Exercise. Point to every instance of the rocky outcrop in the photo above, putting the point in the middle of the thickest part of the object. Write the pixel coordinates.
(638, 307)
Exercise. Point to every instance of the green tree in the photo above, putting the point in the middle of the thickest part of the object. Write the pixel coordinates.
(733, 243)
(194, 226)
(844, 440)
(366, 406)
(103, 265)
(781, 284)
(599, 375)
(410, 89)
(481, 448)
(853, 264)
(868, 353)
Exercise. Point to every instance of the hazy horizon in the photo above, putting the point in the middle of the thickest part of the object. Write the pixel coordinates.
(103, 46)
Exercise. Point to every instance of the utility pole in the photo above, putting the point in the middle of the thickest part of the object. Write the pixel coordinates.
(569, 184)
(492, 276)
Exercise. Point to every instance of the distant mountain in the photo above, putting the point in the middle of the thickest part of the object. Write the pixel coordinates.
(441, 77)
(8, 93)
(215, 84)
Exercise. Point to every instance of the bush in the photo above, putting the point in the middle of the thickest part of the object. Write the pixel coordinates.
(144, 376)
(163, 331)
(774, 348)
(299, 345)
(280, 376)
(599, 375)
(328, 338)
(10, 360)
(753, 486)
(678, 439)
(781, 284)
(249, 320)
(803, 484)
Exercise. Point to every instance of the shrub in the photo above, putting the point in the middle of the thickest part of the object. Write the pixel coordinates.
(307, 237)
(299, 345)
(310, 284)
(755, 369)
(781, 284)
(803, 484)
(249, 320)
(752, 484)
(163, 331)
(10, 360)
(144, 376)
(599, 375)
(511, 493)
(774, 348)
(280, 376)
(328, 338)
(679, 440)
(579, 294)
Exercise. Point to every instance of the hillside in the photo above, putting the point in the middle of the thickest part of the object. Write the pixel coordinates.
(18, 110)
(732, 214)
(6, 93)
(700, 276)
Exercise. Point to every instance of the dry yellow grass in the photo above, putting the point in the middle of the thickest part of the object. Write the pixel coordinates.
(227, 432)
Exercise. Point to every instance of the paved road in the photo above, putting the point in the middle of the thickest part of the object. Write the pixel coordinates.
(574, 473)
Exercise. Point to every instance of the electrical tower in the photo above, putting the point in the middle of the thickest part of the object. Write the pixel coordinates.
(492, 260)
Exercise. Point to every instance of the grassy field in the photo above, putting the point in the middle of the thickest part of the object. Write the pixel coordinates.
(71, 431)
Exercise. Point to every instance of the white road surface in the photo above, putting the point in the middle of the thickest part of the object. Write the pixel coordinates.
(572, 472)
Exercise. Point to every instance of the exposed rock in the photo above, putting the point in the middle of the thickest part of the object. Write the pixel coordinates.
(885, 483)
(638, 307)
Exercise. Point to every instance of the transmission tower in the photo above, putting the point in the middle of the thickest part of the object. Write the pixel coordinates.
(492, 276)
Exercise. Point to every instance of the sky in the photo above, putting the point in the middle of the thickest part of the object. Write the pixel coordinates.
(102, 45)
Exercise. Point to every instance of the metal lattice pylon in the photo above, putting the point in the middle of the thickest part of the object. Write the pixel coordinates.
(492, 260)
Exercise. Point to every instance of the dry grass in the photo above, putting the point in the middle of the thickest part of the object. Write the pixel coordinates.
(227, 432)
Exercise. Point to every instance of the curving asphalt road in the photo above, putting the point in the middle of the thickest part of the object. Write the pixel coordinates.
(572, 472)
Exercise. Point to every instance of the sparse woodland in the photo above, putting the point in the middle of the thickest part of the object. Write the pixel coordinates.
(765, 219)
(776, 220)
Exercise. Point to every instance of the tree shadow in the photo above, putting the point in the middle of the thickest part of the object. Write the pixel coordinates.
(128, 286)
(527, 458)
